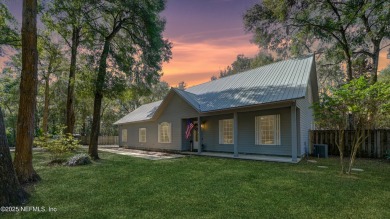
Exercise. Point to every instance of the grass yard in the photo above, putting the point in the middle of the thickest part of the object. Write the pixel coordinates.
(201, 187)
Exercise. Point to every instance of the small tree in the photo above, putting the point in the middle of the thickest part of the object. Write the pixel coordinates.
(367, 103)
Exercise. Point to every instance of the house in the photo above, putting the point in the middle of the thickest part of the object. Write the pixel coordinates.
(264, 111)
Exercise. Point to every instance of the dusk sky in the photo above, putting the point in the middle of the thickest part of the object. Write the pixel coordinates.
(207, 35)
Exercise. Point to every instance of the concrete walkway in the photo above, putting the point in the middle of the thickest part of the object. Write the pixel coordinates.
(246, 157)
(150, 155)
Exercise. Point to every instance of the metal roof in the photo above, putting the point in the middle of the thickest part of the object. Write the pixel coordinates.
(280, 81)
(276, 82)
(144, 112)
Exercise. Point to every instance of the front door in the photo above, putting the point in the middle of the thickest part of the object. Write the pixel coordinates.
(195, 139)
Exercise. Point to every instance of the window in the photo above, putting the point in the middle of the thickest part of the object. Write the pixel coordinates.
(268, 130)
(142, 134)
(164, 132)
(226, 131)
(124, 135)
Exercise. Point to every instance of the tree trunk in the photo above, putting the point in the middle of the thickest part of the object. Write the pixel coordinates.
(375, 62)
(11, 193)
(349, 66)
(341, 146)
(357, 141)
(47, 101)
(93, 145)
(70, 115)
(28, 90)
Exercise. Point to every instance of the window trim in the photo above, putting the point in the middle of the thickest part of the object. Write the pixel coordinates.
(169, 134)
(140, 137)
(222, 134)
(258, 133)
(124, 131)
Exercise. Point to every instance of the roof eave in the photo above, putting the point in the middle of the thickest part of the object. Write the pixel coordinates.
(139, 121)
(255, 105)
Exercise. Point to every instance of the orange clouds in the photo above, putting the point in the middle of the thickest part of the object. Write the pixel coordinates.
(196, 62)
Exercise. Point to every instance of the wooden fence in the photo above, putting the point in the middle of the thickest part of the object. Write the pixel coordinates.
(103, 140)
(376, 144)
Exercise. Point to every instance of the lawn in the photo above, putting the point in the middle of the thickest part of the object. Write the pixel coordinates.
(201, 187)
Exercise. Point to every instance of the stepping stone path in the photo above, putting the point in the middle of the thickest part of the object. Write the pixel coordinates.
(323, 167)
(357, 170)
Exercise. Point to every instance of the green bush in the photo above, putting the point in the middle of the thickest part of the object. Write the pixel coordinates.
(387, 155)
(58, 145)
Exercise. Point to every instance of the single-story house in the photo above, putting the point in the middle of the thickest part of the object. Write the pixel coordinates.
(263, 111)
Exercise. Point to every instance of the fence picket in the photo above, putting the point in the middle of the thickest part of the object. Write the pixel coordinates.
(376, 143)
(102, 140)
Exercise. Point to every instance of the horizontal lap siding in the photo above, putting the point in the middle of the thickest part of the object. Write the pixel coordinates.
(246, 133)
(306, 119)
(211, 134)
(173, 113)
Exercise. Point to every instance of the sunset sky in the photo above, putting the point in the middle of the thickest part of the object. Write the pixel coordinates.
(207, 35)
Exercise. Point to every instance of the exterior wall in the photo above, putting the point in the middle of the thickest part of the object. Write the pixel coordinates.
(246, 133)
(175, 111)
(306, 120)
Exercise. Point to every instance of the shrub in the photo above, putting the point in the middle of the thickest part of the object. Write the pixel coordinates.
(58, 146)
(79, 159)
(387, 155)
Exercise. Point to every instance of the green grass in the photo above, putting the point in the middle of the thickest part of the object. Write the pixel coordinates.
(202, 187)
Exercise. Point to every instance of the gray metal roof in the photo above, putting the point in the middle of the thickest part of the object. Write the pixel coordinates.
(276, 82)
(280, 81)
(144, 112)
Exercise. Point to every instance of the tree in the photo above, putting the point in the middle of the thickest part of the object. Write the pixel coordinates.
(261, 59)
(339, 30)
(68, 19)
(385, 75)
(373, 30)
(9, 95)
(182, 85)
(11, 193)
(243, 63)
(10, 35)
(131, 35)
(49, 64)
(28, 91)
(368, 103)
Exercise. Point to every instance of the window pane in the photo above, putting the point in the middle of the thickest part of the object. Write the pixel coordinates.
(165, 132)
(142, 135)
(267, 130)
(124, 135)
(226, 131)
